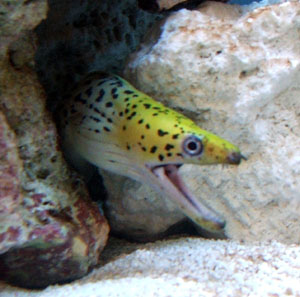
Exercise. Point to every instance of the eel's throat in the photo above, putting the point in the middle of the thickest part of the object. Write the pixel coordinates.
(171, 184)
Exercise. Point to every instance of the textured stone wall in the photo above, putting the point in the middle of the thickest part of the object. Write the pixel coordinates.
(237, 74)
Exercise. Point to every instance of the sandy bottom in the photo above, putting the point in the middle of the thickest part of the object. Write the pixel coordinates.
(185, 267)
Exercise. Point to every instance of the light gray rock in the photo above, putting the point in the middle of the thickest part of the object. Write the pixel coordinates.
(186, 267)
(240, 76)
(136, 211)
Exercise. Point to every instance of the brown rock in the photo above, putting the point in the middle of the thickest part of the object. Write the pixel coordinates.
(50, 231)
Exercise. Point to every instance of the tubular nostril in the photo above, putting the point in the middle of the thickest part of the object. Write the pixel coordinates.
(235, 158)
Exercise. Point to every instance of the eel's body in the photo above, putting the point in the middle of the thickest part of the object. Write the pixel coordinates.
(112, 125)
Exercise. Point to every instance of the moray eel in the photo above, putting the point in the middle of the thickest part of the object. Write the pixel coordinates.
(112, 125)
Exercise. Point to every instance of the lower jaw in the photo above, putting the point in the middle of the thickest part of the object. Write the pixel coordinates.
(171, 184)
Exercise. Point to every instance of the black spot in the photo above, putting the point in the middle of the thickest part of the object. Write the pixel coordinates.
(126, 110)
(128, 146)
(94, 119)
(114, 90)
(89, 91)
(115, 96)
(109, 104)
(147, 106)
(169, 147)
(143, 136)
(147, 126)
(103, 81)
(153, 149)
(100, 97)
(106, 129)
(128, 92)
(91, 106)
(144, 149)
(169, 154)
(131, 116)
(126, 99)
(179, 154)
(156, 107)
(97, 110)
(175, 136)
(134, 106)
(140, 121)
(97, 131)
(155, 114)
(117, 83)
(161, 157)
(112, 161)
(124, 128)
(121, 114)
(135, 95)
(161, 132)
(109, 120)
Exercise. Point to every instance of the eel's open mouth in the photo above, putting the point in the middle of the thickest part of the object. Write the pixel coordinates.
(172, 185)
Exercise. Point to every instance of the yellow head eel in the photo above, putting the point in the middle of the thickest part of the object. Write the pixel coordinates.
(112, 125)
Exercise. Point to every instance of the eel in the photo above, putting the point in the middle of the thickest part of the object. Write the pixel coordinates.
(109, 123)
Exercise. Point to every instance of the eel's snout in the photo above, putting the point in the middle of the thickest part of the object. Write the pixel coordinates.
(235, 158)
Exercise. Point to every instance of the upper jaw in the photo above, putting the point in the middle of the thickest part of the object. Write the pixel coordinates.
(235, 158)
(169, 182)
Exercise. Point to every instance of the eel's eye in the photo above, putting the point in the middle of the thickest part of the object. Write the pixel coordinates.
(192, 146)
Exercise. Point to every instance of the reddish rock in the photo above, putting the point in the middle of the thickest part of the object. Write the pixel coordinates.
(51, 232)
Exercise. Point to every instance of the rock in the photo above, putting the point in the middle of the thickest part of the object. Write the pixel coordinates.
(10, 186)
(239, 77)
(97, 36)
(186, 267)
(50, 230)
(161, 5)
(137, 212)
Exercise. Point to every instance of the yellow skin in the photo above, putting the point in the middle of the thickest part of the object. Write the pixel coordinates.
(109, 123)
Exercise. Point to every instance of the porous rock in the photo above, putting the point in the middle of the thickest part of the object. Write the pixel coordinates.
(84, 37)
(239, 75)
(50, 231)
(138, 212)
(186, 267)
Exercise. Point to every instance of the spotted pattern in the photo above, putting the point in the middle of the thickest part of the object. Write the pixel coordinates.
(108, 109)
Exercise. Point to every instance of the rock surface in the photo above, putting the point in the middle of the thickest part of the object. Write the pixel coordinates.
(138, 212)
(86, 37)
(50, 231)
(238, 76)
(186, 267)
(161, 5)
